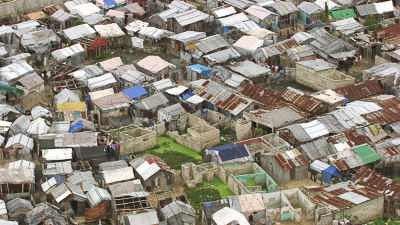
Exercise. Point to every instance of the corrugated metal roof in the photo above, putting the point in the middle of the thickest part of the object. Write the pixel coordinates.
(224, 11)
(57, 154)
(79, 31)
(109, 30)
(190, 16)
(212, 43)
(65, 53)
(154, 64)
(101, 81)
(118, 175)
(20, 139)
(233, 19)
(97, 195)
(132, 188)
(148, 217)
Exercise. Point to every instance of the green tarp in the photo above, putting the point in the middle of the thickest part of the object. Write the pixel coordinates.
(342, 14)
(366, 153)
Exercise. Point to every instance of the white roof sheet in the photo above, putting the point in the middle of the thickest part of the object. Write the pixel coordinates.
(49, 184)
(38, 127)
(118, 175)
(102, 93)
(136, 26)
(225, 11)
(319, 166)
(331, 4)
(176, 90)
(111, 64)
(80, 31)
(146, 170)
(3, 208)
(259, 12)
(353, 197)
(384, 7)
(109, 30)
(154, 64)
(101, 81)
(25, 164)
(248, 43)
(57, 154)
(86, 9)
(232, 20)
(195, 99)
(315, 129)
(15, 70)
(21, 139)
(163, 84)
(227, 216)
(64, 53)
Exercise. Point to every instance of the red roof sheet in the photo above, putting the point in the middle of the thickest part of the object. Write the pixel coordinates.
(302, 102)
(266, 97)
(361, 90)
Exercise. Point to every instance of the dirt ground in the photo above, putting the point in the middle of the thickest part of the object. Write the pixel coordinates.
(299, 183)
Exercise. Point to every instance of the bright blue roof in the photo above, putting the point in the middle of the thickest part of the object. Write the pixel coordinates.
(134, 92)
(110, 3)
(201, 69)
(187, 94)
(76, 126)
(330, 172)
(230, 151)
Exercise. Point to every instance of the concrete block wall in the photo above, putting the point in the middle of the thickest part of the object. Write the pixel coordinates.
(13, 9)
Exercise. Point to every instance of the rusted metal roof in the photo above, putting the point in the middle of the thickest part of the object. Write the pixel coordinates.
(362, 90)
(376, 183)
(268, 98)
(301, 101)
(390, 34)
(389, 114)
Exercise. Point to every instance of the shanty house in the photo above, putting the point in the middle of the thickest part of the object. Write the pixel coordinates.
(320, 75)
(192, 19)
(287, 19)
(309, 13)
(111, 110)
(129, 196)
(273, 119)
(361, 203)
(134, 139)
(228, 153)
(148, 107)
(154, 174)
(185, 40)
(61, 20)
(262, 16)
(179, 213)
(113, 33)
(17, 182)
(147, 217)
(74, 54)
(156, 66)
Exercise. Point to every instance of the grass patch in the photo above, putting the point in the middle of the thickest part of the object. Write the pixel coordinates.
(208, 191)
(174, 154)
(199, 195)
(222, 188)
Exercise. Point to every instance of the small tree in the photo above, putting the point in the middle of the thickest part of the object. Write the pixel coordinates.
(326, 13)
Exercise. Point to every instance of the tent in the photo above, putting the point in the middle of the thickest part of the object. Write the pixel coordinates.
(135, 92)
(329, 173)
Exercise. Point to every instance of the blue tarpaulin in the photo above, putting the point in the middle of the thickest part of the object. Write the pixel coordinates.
(76, 126)
(110, 3)
(230, 151)
(201, 69)
(329, 173)
(134, 92)
(187, 94)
